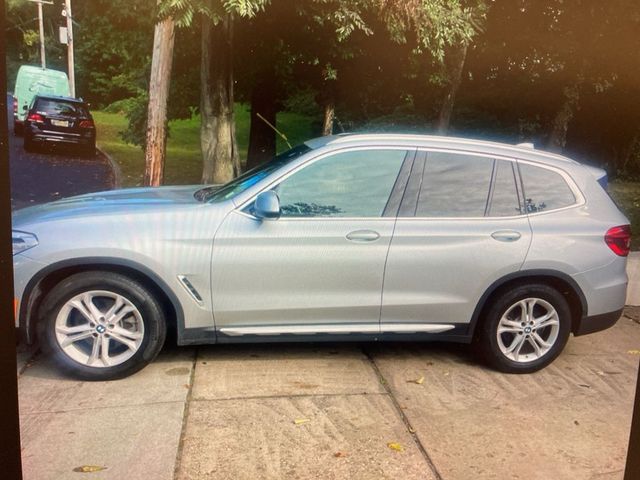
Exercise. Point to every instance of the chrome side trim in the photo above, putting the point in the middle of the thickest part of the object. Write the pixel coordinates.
(415, 327)
(337, 329)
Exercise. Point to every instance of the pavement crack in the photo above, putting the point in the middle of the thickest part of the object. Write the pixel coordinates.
(185, 415)
(401, 414)
(286, 396)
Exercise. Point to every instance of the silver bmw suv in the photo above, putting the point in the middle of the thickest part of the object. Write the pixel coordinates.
(351, 237)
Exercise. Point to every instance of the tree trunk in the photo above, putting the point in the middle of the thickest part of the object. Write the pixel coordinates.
(220, 160)
(262, 138)
(329, 117)
(458, 59)
(160, 78)
(558, 137)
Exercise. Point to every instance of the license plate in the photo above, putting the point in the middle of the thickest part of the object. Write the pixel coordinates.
(59, 123)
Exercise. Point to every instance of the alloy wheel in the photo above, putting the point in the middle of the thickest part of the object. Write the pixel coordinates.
(99, 328)
(528, 330)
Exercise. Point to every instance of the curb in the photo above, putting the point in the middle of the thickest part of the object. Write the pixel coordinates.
(115, 168)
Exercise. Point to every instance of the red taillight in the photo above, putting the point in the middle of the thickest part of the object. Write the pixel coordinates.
(36, 118)
(619, 240)
(86, 124)
(15, 105)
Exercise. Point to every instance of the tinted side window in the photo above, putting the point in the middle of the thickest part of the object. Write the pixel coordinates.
(349, 184)
(504, 199)
(454, 185)
(544, 189)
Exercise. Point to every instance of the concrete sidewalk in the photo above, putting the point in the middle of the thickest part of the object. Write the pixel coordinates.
(333, 410)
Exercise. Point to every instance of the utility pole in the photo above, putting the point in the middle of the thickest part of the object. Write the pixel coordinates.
(71, 65)
(43, 59)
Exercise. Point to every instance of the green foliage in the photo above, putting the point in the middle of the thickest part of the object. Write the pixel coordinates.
(136, 113)
(184, 11)
(112, 66)
(23, 39)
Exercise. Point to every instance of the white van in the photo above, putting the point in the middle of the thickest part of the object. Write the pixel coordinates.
(31, 81)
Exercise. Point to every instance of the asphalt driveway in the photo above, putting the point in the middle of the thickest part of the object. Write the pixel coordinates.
(335, 411)
(54, 173)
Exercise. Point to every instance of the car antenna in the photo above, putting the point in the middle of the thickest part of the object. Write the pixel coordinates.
(284, 137)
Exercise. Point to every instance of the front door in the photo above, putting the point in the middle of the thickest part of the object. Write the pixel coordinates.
(319, 267)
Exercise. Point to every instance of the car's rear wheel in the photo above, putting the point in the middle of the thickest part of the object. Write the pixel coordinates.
(88, 150)
(525, 328)
(28, 143)
(102, 325)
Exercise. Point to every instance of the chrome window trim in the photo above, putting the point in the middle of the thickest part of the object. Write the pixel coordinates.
(580, 199)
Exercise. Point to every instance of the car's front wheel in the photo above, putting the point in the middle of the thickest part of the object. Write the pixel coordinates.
(102, 325)
(525, 328)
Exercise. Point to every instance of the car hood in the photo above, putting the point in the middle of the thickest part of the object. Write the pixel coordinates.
(111, 202)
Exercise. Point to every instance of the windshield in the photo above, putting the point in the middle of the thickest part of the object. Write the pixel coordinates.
(249, 178)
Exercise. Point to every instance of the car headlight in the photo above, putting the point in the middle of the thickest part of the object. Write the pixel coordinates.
(23, 241)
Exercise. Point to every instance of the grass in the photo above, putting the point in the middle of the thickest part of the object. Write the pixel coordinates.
(184, 159)
(627, 196)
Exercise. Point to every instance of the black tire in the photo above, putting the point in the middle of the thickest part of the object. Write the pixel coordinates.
(28, 144)
(17, 129)
(151, 312)
(88, 151)
(488, 339)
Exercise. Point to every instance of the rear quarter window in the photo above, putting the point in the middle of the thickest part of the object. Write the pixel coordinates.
(544, 189)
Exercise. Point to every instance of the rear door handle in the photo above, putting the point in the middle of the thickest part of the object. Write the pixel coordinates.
(506, 235)
(363, 236)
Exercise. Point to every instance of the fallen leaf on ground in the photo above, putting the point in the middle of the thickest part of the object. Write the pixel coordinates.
(417, 381)
(340, 454)
(395, 446)
(89, 468)
(300, 421)
(633, 352)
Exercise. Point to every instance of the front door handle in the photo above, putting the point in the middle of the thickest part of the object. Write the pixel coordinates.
(363, 236)
(506, 235)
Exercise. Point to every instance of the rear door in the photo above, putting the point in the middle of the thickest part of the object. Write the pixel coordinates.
(461, 226)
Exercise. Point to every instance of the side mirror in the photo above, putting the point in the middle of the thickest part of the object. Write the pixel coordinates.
(267, 206)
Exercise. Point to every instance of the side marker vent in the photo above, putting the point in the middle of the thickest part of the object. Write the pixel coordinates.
(188, 286)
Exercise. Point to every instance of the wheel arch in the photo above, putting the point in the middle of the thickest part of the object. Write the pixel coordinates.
(562, 282)
(42, 282)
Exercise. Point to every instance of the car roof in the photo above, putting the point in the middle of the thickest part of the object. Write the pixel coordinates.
(522, 151)
(61, 98)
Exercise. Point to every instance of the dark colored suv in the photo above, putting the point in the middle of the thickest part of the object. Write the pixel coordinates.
(59, 120)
